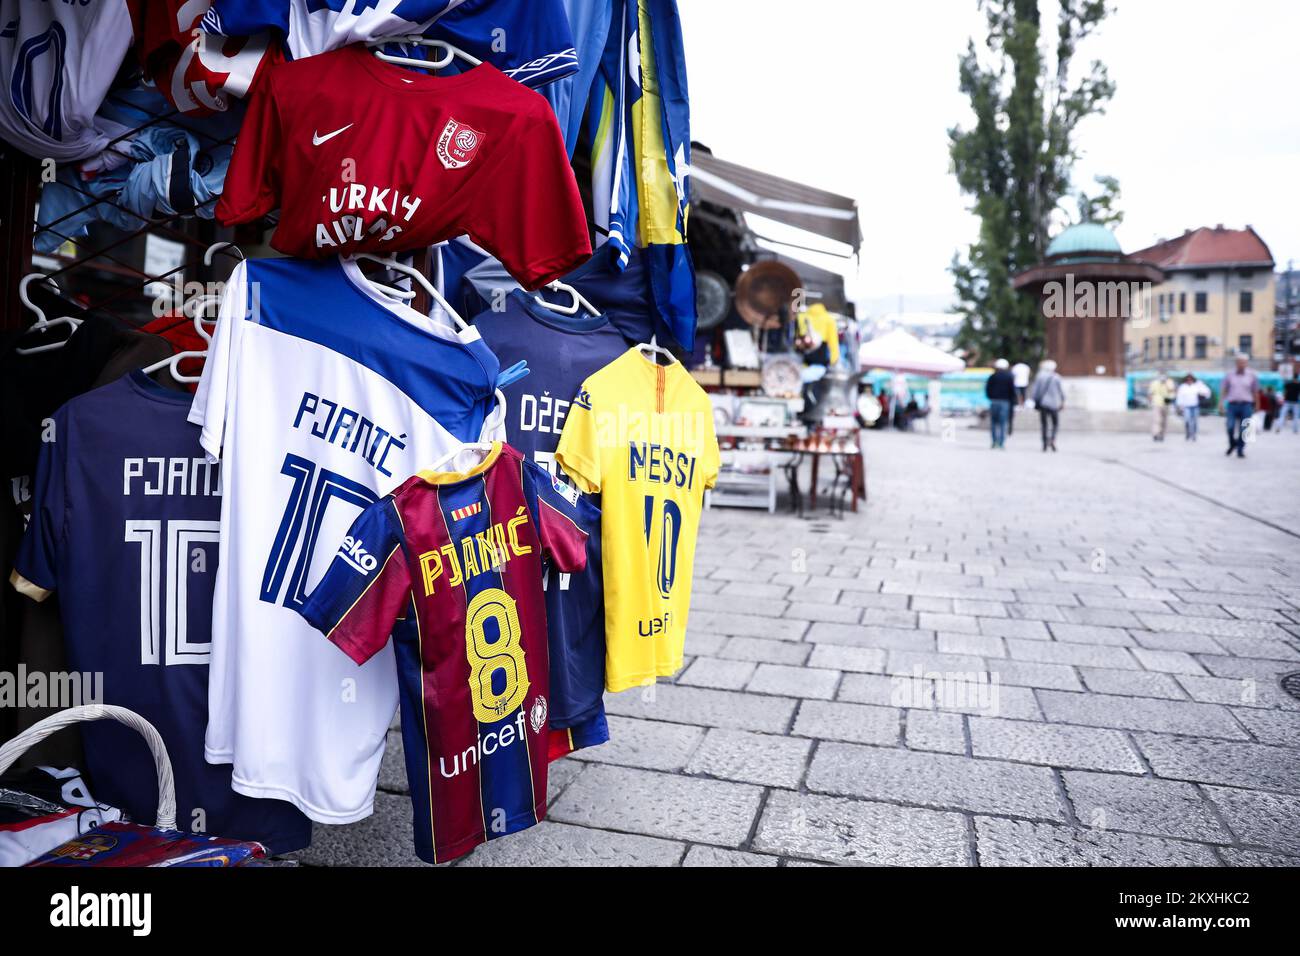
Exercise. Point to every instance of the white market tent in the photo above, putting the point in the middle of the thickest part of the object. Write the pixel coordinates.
(900, 351)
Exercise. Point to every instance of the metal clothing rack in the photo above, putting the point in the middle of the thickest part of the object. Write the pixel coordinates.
(104, 256)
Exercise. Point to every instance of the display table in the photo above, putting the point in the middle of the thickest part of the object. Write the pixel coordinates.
(850, 480)
(736, 488)
(840, 444)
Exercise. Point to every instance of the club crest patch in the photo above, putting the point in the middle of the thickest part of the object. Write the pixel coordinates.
(537, 715)
(458, 144)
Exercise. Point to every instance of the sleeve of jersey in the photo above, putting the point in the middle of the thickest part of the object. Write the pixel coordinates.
(538, 229)
(712, 456)
(253, 179)
(366, 586)
(546, 52)
(579, 449)
(564, 519)
(215, 394)
(34, 573)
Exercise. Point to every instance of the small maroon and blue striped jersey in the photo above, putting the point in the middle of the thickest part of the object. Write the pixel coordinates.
(465, 552)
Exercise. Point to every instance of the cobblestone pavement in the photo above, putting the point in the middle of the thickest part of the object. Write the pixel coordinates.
(1008, 658)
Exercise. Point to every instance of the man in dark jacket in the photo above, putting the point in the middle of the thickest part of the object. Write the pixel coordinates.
(1001, 391)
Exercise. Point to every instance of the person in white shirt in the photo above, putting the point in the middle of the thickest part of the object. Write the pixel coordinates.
(1020, 377)
(1187, 399)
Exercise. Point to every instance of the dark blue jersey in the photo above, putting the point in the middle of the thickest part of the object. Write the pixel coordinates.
(561, 351)
(125, 521)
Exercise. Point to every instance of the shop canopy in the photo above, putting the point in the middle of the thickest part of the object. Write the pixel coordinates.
(783, 200)
(900, 351)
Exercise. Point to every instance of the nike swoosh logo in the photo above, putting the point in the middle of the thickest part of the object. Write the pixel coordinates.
(317, 138)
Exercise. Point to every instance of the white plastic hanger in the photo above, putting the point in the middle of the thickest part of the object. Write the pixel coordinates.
(572, 308)
(216, 247)
(392, 291)
(395, 266)
(42, 324)
(451, 52)
(493, 422)
(173, 364)
(654, 348)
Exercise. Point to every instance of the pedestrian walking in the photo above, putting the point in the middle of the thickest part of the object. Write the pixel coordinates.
(1187, 399)
(1161, 394)
(1290, 405)
(1001, 391)
(1048, 397)
(1020, 375)
(1240, 392)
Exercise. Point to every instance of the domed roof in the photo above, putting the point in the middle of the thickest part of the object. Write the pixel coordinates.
(1085, 240)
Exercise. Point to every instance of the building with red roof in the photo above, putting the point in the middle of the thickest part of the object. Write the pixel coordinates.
(1216, 301)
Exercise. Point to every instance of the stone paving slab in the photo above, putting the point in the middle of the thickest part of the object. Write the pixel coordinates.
(1023, 843)
(1141, 713)
(1220, 761)
(558, 844)
(1053, 745)
(708, 708)
(935, 780)
(649, 744)
(765, 759)
(932, 730)
(1168, 808)
(858, 723)
(660, 804)
(712, 856)
(861, 833)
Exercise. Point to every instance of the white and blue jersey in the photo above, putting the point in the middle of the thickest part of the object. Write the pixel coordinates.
(125, 520)
(57, 63)
(319, 396)
(527, 41)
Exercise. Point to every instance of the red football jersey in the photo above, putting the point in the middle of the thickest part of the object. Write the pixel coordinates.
(364, 156)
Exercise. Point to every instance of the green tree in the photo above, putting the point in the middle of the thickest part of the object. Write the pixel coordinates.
(1102, 207)
(1016, 162)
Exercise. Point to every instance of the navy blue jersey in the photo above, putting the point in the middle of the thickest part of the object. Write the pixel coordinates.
(561, 351)
(125, 520)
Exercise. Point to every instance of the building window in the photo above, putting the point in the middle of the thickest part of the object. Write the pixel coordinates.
(1146, 350)
(1182, 346)
(1202, 302)
(1182, 302)
(1246, 301)
(1200, 346)
(1200, 275)
(1243, 344)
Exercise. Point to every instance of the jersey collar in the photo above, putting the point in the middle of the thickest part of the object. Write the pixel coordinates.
(454, 477)
(554, 320)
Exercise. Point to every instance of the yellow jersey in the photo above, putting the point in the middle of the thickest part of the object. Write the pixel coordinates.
(641, 435)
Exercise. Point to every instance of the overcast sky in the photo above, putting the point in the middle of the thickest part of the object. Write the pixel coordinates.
(856, 96)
